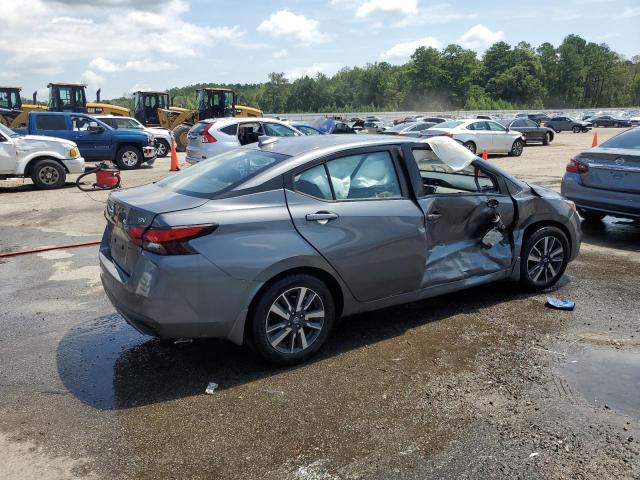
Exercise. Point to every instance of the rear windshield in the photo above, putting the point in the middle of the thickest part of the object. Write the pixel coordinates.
(629, 139)
(449, 124)
(199, 127)
(221, 173)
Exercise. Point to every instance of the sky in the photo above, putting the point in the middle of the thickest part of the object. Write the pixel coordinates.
(125, 45)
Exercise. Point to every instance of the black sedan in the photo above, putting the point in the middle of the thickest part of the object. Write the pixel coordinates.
(609, 121)
(530, 130)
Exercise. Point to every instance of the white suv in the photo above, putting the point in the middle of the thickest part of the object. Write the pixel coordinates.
(162, 136)
(211, 137)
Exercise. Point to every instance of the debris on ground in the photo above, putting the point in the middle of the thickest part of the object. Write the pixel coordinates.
(212, 387)
(183, 340)
(560, 304)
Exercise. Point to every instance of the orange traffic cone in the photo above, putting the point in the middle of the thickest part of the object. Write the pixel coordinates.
(594, 143)
(175, 165)
(485, 155)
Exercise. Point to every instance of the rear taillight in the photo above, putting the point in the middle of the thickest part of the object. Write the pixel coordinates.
(574, 166)
(206, 136)
(401, 134)
(168, 240)
(448, 134)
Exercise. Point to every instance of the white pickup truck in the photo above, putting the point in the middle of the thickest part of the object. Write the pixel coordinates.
(47, 160)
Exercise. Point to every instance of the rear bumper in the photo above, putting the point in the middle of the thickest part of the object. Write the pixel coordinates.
(176, 296)
(74, 165)
(610, 202)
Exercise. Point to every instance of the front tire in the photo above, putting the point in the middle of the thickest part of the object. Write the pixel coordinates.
(129, 158)
(545, 256)
(576, 129)
(547, 139)
(163, 148)
(516, 148)
(48, 174)
(291, 319)
(470, 146)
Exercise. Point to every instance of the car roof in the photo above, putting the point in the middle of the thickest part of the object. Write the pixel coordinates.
(233, 120)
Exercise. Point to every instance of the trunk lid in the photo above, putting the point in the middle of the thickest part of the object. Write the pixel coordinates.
(136, 208)
(615, 169)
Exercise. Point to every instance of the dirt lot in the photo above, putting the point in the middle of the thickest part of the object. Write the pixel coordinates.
(486, 383)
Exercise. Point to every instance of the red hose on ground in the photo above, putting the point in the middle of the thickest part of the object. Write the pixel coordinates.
(46, 249)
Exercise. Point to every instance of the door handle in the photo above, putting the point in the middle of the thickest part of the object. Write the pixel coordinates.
(433, 217)
(321, 217)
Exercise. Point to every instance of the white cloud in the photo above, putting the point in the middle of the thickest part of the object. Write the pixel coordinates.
(103, 65)
(435, 14)
(92, 79)
(147, 65)
(280, 53)
(479, 37)
(312, 70)
(404, 50)
(630, 12)
(284, 23)
(404, 7)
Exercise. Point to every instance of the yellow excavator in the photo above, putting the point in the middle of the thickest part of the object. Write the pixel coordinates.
(63, 97)
(13, 113)
(153, 108)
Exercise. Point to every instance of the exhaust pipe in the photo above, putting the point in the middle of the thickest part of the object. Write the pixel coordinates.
(35, 97)
(98, 96)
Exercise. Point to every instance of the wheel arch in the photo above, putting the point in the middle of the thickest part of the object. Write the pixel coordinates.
(32, 162)
(546, 223)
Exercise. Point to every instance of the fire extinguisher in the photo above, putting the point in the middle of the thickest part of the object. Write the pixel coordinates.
(107, 177)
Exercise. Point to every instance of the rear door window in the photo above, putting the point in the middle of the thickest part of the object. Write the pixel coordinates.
(364, 176)
(50, 122)
(313, 182)
(230, 129)
(277, 130)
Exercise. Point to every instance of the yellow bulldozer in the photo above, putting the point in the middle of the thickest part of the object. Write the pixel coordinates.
(13, 113)
(153, 108)
(63, 97)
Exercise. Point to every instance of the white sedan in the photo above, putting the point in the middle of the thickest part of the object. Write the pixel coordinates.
(478, 135)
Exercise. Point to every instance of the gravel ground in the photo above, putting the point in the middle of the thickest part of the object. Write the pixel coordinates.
(485, 383)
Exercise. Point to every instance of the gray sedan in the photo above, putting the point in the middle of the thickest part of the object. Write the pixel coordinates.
(605, 180)
(271, 243)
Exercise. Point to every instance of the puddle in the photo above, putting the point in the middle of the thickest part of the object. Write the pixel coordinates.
(606, 377)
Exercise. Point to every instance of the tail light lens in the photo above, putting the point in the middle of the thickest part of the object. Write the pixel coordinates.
(401, 134)
(206, 136)
(448, 134)
(574, 166)
(168, 240)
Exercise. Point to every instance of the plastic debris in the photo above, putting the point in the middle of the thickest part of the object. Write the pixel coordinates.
(212, 387)
(560, 304)
(534, 454)
(182, 340)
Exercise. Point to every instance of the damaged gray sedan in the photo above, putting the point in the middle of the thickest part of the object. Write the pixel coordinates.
(270, 244)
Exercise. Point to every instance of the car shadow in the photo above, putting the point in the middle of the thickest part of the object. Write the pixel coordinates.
(108, 365)
(612, 232)
(28, 186)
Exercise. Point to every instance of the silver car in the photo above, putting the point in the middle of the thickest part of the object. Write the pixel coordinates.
(479, 135)
(271, 243)
(605, 180)
(211, 137)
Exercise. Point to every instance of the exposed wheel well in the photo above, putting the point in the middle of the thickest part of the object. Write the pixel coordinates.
(545, 223)
(327, 278)
(33, 161)
(125, 145)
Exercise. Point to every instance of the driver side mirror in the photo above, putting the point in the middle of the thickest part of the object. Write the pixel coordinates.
(95, 128)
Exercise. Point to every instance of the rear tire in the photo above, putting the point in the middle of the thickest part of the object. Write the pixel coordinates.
(590, 216)
(129, 157)
(544, 258)
(576, 129)
(180, 135)
(516, 148)
(286, 329)
(163, 148)
(48, 174)
(470, 146)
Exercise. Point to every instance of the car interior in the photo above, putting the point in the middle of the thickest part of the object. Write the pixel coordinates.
(249, 132)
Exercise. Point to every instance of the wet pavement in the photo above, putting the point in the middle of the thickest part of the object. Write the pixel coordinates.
(485, 383)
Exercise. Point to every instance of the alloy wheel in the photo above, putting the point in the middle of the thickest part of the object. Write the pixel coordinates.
(295, 320)
(130, 158)
(49, 175)
(161, 149)
(545, 259)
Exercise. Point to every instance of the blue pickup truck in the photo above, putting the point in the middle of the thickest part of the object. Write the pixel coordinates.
(96, 140)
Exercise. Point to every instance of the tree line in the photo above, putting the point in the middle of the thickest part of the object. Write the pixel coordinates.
(575, 74)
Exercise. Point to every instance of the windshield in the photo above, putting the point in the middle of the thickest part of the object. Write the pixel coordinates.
(629, 139)
(222, 172)
(7, 132)
(449, 124)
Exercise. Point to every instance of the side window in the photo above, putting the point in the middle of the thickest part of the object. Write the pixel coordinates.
(440, 178)
(4, 100)
(80, 124)
(122, 123)
(518, 123)
(496, 127)
(530, 123)
(367, 175)
(313, 182)
(249, 133)
(277, 130)
(230, 129)
(50, 122)
(478, 126)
